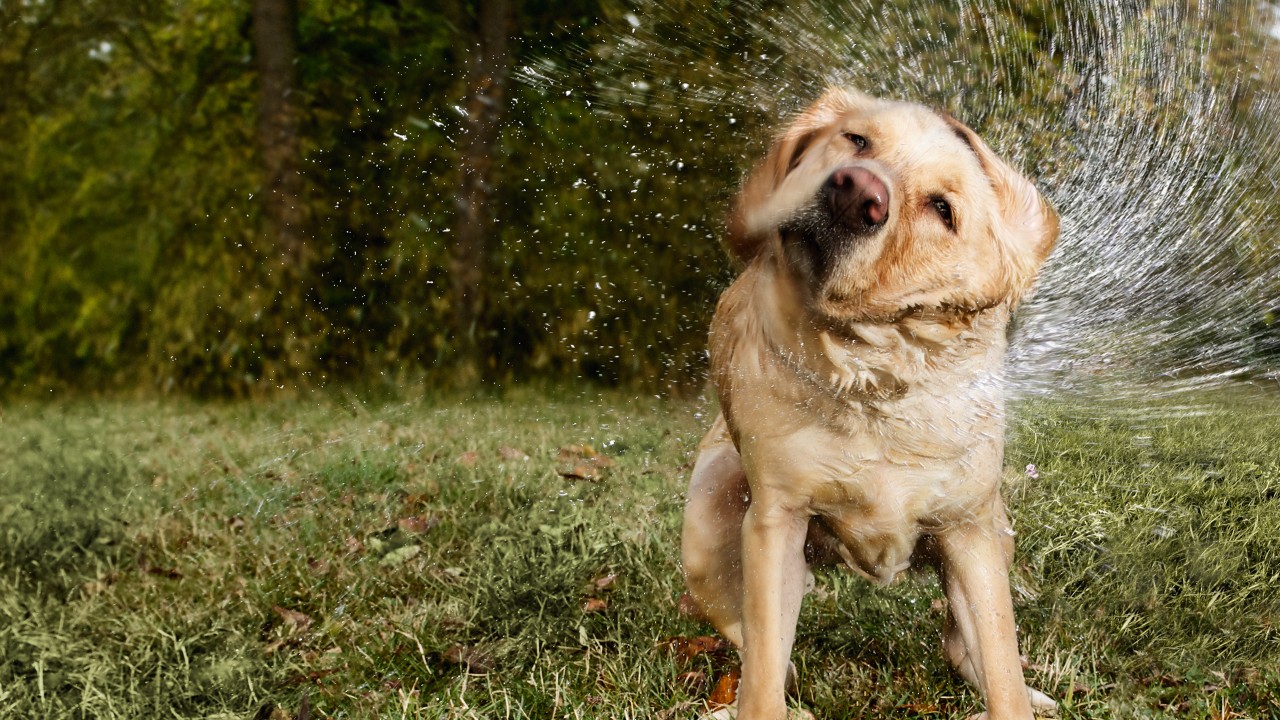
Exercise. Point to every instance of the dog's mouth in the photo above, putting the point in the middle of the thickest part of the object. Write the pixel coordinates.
(850, 207)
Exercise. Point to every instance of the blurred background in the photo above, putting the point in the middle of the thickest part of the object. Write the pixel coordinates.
(226, 197)
(229, 198)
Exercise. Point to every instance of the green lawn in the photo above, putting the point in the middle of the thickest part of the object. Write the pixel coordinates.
(426, 557)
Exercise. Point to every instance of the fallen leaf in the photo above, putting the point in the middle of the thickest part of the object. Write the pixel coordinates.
(474, 659)
(605, 583)
(686, 648)
(319, 567)
(582, 462)
(594, 605)
(297, 622)
(726, 689)
(581, 471)
(416, 525)
(469, 458)
(512, 454)
(569, 453)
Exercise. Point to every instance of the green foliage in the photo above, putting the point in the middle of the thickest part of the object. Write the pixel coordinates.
(133, 251)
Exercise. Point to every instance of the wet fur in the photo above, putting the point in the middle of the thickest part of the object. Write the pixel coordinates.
(861, 388)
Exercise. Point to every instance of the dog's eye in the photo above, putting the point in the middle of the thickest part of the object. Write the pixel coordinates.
(857, 140)
(943, 209)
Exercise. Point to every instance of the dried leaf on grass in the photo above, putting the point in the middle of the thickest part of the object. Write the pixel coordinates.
(512, 454)
(581, 472)
(569, 453)
(582, 462)
(687, 648)
(295, 621)
(726, 689)
(594, 605)
(417, 524)
(474, 659)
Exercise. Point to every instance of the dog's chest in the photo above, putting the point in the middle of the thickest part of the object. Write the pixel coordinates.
(880, 480)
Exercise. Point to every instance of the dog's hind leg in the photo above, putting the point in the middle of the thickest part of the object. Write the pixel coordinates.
(711, 543)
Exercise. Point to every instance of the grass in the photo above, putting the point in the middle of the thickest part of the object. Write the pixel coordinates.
(404, 558)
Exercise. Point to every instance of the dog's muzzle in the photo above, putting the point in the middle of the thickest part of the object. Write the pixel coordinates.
(858, 199)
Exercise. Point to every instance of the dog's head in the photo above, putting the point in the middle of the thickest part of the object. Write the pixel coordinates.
(878, 207)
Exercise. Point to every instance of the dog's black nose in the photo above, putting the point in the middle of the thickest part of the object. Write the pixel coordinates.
(859, 200)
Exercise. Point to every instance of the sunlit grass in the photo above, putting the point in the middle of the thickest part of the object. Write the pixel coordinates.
(403, 558)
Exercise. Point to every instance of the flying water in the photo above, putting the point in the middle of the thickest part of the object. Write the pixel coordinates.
(1152, 127)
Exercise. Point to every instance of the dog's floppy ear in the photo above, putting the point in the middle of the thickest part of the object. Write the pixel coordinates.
(766, 198)
(1027, 227)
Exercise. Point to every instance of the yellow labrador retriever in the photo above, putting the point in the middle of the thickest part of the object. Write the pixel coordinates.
(858, 361)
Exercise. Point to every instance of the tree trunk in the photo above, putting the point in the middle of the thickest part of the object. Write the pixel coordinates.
(274, 29)
(486, 100)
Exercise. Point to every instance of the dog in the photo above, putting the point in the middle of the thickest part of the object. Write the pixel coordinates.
(858, 359)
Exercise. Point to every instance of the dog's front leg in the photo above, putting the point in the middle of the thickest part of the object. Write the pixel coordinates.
(977, 586)
(773, 585)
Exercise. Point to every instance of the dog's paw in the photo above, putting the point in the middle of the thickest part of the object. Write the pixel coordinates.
(730, 712)
(1042, 705)
(727, 712)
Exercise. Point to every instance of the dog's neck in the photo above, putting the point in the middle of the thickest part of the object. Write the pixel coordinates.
(875, 357)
